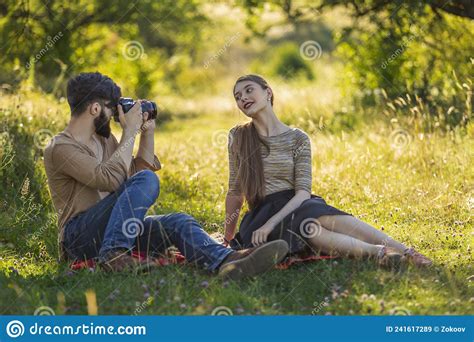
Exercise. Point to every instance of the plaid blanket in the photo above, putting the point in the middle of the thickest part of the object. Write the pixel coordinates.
(174, 258)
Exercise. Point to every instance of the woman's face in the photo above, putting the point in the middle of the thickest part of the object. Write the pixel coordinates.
(251, 98)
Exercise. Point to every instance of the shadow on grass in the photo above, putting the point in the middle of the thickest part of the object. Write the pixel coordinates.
(336, 287)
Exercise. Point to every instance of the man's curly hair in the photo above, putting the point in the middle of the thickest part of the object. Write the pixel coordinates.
(88, 87)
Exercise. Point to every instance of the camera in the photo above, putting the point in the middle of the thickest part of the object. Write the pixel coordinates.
(147, 106)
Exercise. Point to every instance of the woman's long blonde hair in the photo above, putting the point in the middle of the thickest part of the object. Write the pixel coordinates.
(246, 145)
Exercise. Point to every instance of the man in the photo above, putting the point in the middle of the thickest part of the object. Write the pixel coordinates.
(102, 193)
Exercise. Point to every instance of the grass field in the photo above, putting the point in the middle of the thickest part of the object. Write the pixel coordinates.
(417, 187)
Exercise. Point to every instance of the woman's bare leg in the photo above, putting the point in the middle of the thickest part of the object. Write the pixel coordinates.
(333, 243)
(352, 226)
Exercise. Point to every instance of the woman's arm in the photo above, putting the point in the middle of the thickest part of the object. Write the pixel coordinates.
(260, 235)
(289, 207)
(233, 204)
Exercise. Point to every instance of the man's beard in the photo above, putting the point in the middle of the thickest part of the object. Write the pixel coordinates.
(102, 125)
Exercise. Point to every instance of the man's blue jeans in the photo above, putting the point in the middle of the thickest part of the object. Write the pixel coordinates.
(118, 222)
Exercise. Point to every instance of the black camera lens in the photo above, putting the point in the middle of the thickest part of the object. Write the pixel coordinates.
(147, 106)
(150, 107)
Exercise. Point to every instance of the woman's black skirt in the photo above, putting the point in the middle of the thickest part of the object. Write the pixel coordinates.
(295, 228)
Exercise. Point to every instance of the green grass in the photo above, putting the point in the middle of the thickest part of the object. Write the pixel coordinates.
(420, 194)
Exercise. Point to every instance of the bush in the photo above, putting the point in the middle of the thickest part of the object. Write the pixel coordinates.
(426, 55)
(28, 222)
(286, 62)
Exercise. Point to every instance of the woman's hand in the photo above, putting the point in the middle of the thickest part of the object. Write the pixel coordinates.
(227, 240)
(259, 236)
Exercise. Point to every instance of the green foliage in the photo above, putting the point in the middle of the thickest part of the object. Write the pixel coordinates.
(287, 62)
(28, 120)
(284, 61)
(66, 38)
(425, 53)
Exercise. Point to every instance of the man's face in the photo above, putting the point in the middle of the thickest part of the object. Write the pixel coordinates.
(102, 122)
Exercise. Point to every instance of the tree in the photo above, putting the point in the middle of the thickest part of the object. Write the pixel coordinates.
(422, 48)
(295, 10)
(49, 33)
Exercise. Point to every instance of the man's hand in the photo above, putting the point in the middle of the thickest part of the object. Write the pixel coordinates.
(259, 237)
(146, 149)
(132, 122)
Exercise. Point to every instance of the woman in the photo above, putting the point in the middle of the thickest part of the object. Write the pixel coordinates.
(270, 168)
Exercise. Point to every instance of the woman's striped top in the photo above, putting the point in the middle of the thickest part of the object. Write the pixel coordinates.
(286, 166)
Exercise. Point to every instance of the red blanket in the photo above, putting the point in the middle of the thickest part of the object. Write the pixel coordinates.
(175, 258)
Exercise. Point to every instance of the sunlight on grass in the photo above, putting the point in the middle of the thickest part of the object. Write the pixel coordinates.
(417, 190)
